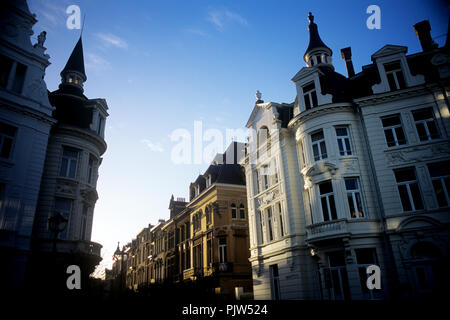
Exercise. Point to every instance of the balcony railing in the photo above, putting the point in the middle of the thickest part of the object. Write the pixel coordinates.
(328, 229)
(223, 267)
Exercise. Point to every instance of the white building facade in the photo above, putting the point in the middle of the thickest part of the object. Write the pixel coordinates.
(353, 173)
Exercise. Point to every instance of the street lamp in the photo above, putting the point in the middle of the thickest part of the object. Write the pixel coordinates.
(118, 256)
(56, 224)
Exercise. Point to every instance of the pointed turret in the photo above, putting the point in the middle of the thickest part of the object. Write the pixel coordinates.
(317, 51)
(73, 73)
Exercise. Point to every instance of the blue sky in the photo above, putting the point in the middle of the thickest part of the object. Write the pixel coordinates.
(161, 65)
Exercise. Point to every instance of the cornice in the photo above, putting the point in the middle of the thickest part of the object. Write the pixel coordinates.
(85, 134)
(312, 113)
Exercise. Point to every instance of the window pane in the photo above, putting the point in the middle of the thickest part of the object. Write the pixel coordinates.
(351, 205)
(6, 147)
(403, 175)
(439, 169)
(415, 192)
(422, 114)
(351, 184)
(359, 204)
(365, 256)
(392, 66)
(325, 187)
(332, 207)
(316, 152)
(317, 136)
(308, 87)
(323, 148)
(325, 209)
(391, 121)
(7, 129)
(400, 135)
(314, 99)
(341, 132)
(421, 131)
(307, 101)
(404, 198)
(391, 80)
(400, 79)
(433, 129)
(440, 193)
(347, 145)
(341, 147)
(63, 171)
(73, 168)
(389, 137)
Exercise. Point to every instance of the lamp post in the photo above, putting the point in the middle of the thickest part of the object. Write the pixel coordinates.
(57, 224)
(118, 256)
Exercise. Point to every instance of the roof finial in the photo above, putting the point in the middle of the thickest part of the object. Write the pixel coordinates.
(258, 95)
(310, 17)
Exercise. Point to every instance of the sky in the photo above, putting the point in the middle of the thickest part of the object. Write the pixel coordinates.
(167, 66)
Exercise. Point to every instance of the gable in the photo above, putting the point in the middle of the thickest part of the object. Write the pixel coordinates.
(388, 50)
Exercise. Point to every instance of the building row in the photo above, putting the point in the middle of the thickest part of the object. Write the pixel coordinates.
(355, 172)
(204, 238)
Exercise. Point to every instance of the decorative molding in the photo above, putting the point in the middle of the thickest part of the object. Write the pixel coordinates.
(417, 153)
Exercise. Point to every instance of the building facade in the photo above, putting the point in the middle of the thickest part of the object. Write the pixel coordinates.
(52, 145)
(353, 173)
(204, 238)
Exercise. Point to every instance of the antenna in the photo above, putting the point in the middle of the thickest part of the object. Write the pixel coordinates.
(82, 27)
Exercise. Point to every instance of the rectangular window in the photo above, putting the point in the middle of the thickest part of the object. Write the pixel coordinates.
(394, 75)
(343, 141)
(242, 212)
(91, 167)
(233, 211)
(393, 130)
(408, 188)
(354, 197)
(5, 69)
(265, 177)
(100, 125)
(327, 201)
(440, 177)
(318, 146)
(425, 124)
(280, 218)
(7, 134)
(222, 249)
(275, 282)
(309, 96)
(257, 181)
(19, 78)
(269, 223)
(69, 162)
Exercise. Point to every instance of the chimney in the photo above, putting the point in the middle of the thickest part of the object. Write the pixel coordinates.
(422, 30)
(346, 54)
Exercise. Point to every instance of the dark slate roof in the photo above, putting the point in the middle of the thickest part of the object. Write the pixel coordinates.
(231, 174)
(314, 38)
(285, 113)
(71, 108)
(335, 84)
(76, 60)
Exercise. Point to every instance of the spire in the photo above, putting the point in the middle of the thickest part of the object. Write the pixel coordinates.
(317, 51)
(73, 75)
(76, 60)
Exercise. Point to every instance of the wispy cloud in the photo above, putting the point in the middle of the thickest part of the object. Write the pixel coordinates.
(96, 62)
(155, 147)
(51, 14)
(197, 32)
(221, 18)
(110, 39)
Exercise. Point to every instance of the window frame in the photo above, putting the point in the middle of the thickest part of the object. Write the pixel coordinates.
(344, 141)
(395, 75)
(310, 95)
(69, 159)
(445, 185)
(425, 124)
(392, 129)
(327, 196)
(354, 194)
(321, 144)
(12, 138)
(408, 184)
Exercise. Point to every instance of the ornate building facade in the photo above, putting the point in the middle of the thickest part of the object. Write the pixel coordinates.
(353, 173)
(52, 145)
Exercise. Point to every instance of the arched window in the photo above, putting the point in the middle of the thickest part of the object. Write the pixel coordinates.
(233, 211)
(241, 211)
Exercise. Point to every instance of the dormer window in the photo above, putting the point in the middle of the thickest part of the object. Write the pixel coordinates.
(394, 75)
(197, 190)
(70, 80)
(309, 96)
(208, 181)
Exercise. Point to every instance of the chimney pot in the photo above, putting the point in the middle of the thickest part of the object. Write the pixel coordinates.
(422, 30)
(346, 54)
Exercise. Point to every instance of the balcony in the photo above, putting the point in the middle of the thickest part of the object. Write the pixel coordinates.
(70, 246)
(327, 230)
